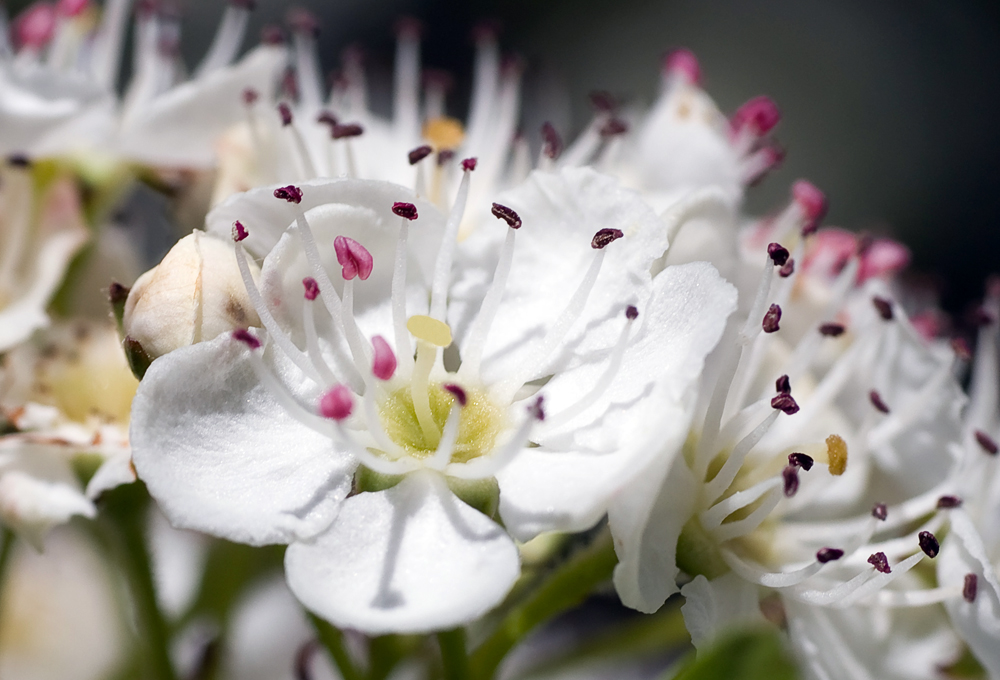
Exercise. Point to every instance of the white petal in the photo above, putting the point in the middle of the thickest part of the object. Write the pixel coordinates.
(114, 472)
(714, 606)
(32, 506)
(221, 456)
(646, 522)
(411, 559)
(978, 622)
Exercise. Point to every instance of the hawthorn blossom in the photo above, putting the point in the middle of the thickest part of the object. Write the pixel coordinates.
(381, 429)
(820, 466)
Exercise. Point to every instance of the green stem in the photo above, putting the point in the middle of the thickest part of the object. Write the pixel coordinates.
(454, 658)
(566, 587)
(6, 550)
(333, 640)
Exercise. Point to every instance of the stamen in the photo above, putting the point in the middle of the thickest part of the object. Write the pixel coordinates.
(419, 384)
(247, 338)
(771, 319)
(406, 113)
(603, 101)
(239, 231)
(552, 144)
(785, 403)
(813, 204)
(405, 210)
(469, 164)
(681, 63)
(783, 385)
(718, 485)
(399, 294)
(250, 96)
(876, 400)
(884, 307)
(836, 451)
(228, 38)
(986, 442)
(787, 270)
(449, 241)
(801, 460)
(290, 193)
(419, 154)
(790, 475)
(880, 511)
(613, 127)
(305, 28)
(476, 340)
(502, 212)
(429, 330)
(758, 116)
(604, 237)
(948, 502)
(486, 80)
(342, 131)
(354, 258)
(880, 562)
(969, 588)
(384, 361)
(778, 254)
(312, 341)
(832, 330)
(446, 447)
(337, 403)
(312, 288)
(929, 544)
(824, 555)
(750, 329)
(456, 391)
(744, 526)
(285, 111)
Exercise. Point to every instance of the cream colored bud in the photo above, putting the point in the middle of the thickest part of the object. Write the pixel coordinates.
(195, 294)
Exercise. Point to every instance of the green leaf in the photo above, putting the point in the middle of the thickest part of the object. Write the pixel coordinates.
(755, 654)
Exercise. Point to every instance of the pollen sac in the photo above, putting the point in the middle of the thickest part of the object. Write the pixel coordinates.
(535, 410)
(326, 118)
(552, 144)
(346, 130)
(876, 399)
(790, 475)
(778, 254)
(430, 330)
(337, 403)
(248, 339)
(787, 270)
(384, 360)
(812, 202)
(785, 403)
(605, 236)
(969, 588)
(613, 127)
(986, 442)
(291, 193)
(801, 460)
(502, 212)
(880, 562)
(783, 385)
(602, 101)
(419, 154)
(444, 156)
(239, 231)
(880, 511)
(836, 451)
(250, 96)
(884, 307)
(948, 502)
(929, 544)
(682, 62)
(405, 210)
(286, 114)
(312, 288)
(824, 555)
(832, 330)
(759, 115)
(354, 258)
(469, 164)
(631, 313)
(456, 391)
(771, 318)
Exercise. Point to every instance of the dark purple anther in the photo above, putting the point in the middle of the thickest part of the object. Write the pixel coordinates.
(791, 476)
(456, 391)
(783, 385)
(445, 155)
(244, 336)
(272, 35)
(117, 293)
(612, 127)
(419, 154)
(631, 313)
(884, 307)
(929, 544)
(876, 399)
(535, 410)
(406, 210)
(970, 587)
(832, 330)
(802, 460)
(603, 101)
(824, 555)
(303, 21)
(326, 118)
(785, 403)
(605, 236)
(787, 270)
(250, 96)
(771, 318)
(880, 511)
(552, 143)
(285, 112)
(18, 160)
(291, 193)
(980, 317)
(778, 253)
(239, 231)
(469, 164)
(502, 212)
(986, 442)
(880, 562)
(347, 130)
(312, 288)
(948, 502)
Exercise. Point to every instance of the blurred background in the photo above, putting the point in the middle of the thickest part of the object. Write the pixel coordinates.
(890, 107)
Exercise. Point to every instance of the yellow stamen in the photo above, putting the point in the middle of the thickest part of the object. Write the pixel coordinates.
(444, 133)
(836, 451)
(430, 330)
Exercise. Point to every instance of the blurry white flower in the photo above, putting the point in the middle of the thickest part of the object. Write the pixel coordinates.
(260, 437)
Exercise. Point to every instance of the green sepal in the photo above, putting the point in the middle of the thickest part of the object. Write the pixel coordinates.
(698, 553)
(117, 295)
(138, 360)
(755, 654)
(481, 494)
(367, 480)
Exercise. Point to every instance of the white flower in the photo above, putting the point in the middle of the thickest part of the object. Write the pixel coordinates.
(259, 437)
(765, 496)
(57, 90)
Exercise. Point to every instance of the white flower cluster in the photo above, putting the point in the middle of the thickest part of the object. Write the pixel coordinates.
(404, 350)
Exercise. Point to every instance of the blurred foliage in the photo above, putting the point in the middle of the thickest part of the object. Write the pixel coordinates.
(756, 654)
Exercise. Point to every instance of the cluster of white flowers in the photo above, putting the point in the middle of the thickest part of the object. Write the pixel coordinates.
(405, 350)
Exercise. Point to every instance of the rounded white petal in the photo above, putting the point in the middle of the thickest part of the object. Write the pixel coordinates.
(220, 455)
(410, 559)
(713, 606)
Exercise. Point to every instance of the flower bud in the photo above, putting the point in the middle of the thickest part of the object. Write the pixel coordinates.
(195, 294)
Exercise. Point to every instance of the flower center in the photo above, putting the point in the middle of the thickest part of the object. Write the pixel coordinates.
(481, 421)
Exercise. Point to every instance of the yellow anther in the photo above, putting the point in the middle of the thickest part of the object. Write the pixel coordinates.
(444, 133)
(430, 330)
(836, 451)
